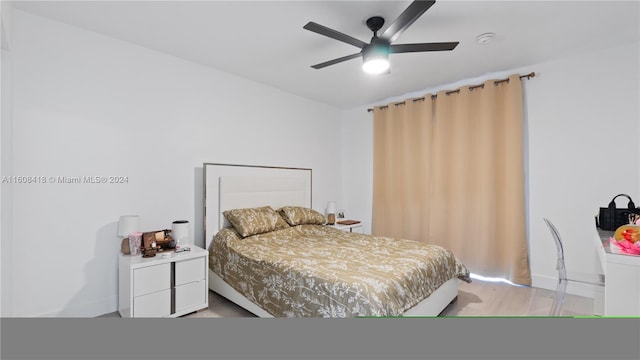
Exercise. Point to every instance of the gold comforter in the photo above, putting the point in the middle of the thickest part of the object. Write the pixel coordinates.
(318, 271)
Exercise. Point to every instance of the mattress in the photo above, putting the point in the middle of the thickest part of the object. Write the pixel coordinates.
(319, 271)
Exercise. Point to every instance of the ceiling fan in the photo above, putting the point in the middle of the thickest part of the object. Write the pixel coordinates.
(375, 54)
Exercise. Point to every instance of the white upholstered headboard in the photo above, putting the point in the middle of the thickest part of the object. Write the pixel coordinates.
(244, 186)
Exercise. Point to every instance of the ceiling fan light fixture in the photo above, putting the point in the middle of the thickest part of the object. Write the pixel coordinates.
(375, 66)
(375, 60)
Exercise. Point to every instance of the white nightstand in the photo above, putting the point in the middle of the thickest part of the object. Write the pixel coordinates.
(163, 287)
(357, 228)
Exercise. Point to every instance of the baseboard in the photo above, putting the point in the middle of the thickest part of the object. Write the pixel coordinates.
(86, 310)
(548, 282)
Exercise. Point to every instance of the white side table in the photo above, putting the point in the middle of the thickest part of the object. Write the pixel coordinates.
(163, 287)
(621, 279)
(357, 228)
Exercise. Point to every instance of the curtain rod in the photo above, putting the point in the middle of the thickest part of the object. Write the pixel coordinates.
(528, 76)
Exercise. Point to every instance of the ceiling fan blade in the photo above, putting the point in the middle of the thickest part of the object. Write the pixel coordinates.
(408, 16)
(406, 48)
(323, 30)
(335, 61)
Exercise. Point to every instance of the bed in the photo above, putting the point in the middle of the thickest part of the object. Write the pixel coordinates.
(291, 265)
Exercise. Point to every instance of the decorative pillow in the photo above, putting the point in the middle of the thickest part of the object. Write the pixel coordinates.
(252, 221)
(280, 223)
(296, 215)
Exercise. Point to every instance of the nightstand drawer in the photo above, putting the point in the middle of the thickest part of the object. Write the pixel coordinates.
(151, 279)
(190, 295)
(188, 271)
(153, 305)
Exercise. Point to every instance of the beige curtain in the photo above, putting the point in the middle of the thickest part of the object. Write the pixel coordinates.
(471, 164)
(402, 138)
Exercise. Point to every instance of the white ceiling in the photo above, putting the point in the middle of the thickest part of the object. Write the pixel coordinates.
(264, 40)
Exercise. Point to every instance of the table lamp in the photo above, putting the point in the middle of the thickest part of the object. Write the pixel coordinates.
(331, 212)
(128, 224)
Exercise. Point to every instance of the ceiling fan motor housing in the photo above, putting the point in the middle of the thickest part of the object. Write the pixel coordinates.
(375, 56)
(378, 48)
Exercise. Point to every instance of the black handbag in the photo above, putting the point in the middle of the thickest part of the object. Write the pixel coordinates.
(611, 218)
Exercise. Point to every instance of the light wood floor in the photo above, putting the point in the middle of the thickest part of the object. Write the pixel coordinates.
(476, 299)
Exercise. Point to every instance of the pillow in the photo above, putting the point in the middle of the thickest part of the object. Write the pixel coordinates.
(252, 221)
(280, 223)
(296, 215)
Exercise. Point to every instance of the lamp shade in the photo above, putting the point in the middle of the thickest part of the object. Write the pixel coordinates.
(128, 224)
(331, 207)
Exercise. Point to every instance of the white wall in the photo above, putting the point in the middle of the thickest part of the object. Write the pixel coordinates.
(5, 155)
(582, 116)
(85, 104)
